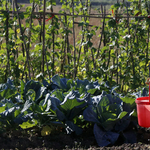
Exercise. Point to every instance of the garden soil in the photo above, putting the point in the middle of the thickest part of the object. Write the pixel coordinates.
(60, 140)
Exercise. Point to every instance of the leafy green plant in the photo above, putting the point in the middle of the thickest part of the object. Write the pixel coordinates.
(119, 63)
(120, 58)
(110, 116)
(71, 104)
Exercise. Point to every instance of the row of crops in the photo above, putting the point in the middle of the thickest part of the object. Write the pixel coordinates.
(73, 105)
(48, 80)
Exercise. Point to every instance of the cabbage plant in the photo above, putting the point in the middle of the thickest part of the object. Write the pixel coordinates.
(110, 117)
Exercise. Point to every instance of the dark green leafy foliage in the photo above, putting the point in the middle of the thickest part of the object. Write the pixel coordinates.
(110, 116)
(71, 104)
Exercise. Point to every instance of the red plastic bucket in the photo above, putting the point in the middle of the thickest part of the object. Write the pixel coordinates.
(143, 111)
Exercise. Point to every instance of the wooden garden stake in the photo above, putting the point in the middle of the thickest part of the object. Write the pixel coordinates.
(74, 75)
(27, 57)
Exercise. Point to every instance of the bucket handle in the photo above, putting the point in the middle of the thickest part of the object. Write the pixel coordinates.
(148, 81)
(149, 92)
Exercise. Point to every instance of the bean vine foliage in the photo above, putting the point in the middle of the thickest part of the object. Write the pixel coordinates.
(120, 56)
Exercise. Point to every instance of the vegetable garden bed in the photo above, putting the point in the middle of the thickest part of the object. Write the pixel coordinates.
(68, 113)
(63, 141)
(62, 113)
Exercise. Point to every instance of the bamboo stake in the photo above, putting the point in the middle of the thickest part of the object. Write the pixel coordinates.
(44, 58)
(22, 37)
(86, 46)
(94, 64)
(7, 42)
(67, 40)
(63, 56)
(104, 41)
(131, 53)
(147, 52)
(40, 38)
(66, 43)
(62, 60)
(82, 38)
(75, 70)
(101, 33)
(43, 42)
(29, 36)
(117, 52)
(13, 6)
(53, 42)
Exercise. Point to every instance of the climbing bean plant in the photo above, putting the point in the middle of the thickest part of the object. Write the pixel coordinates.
(35, 47)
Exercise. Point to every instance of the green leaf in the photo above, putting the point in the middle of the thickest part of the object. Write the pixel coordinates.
(21, 15)
(22, 89)
(117, 5)
(9, 90)
(28, 124)
(80, 24)
(92, 91)
(122, 114)
(108, 125)
(59, 94)
(8, 93)
(31, 95)
(26, 106)
(60, 82)
(20, 58)
(128, 100)
(36, 87)
(112, 23)
(3, 108)
(16, 113)
(70, 101)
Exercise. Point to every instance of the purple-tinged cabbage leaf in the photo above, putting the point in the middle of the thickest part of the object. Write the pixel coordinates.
(35, 86)
(72, 106)
(104, 138)
(8, 90)
(63, 83)
(110, 116)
